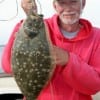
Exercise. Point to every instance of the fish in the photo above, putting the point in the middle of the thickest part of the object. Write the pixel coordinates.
(32, 59)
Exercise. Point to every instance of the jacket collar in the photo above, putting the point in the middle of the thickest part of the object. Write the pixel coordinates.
(84, 32)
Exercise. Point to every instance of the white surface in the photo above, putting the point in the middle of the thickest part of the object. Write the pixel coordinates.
(97, 96)
(8, 85)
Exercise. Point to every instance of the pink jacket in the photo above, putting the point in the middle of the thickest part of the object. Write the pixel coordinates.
(80, 78)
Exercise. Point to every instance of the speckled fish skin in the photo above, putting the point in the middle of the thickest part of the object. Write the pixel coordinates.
(31, 58)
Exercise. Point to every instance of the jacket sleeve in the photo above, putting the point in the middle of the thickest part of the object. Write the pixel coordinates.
(83, 77)
(6, 63)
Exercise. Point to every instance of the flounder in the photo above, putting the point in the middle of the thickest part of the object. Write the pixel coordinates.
(32, 60)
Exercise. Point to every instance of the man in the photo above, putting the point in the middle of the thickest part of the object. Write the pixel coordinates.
(77, 73)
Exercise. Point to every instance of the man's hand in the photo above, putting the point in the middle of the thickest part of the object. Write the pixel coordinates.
(60, 56)
(27, 6)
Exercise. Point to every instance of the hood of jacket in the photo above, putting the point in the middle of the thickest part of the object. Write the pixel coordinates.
(84, 32)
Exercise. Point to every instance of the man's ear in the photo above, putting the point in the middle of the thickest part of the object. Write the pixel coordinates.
(54, 6)
(83, 3)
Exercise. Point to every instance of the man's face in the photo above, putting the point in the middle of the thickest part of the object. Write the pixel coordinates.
(69, 10)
